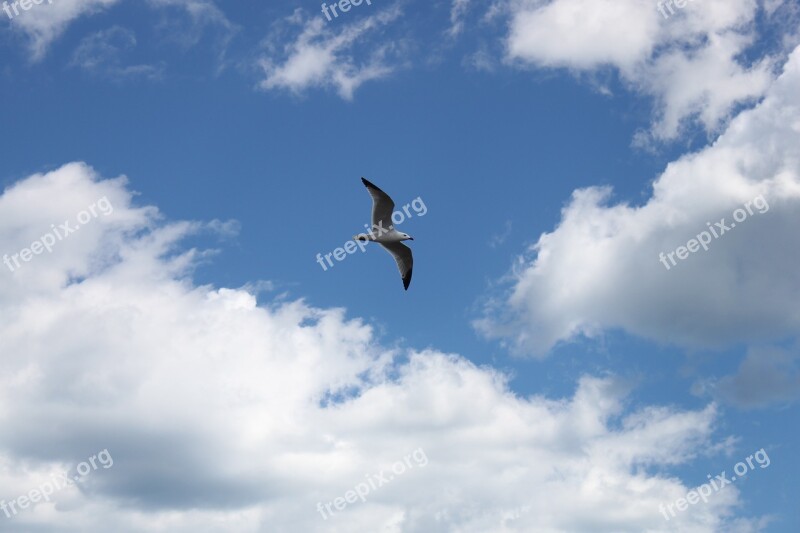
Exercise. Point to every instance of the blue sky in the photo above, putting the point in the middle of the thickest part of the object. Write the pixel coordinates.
(558, 377)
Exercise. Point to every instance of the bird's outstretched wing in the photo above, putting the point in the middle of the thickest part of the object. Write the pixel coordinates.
(403, 258)
(382, 207)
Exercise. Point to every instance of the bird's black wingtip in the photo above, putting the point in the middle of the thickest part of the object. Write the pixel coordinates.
(369, 185)
(407, 280)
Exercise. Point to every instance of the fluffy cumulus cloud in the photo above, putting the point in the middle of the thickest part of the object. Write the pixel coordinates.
(601, 267)
(690, 60)
(222, 414)
(342, 57)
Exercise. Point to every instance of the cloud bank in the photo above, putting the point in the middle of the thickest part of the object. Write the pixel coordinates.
(599, 269)
(222, 414)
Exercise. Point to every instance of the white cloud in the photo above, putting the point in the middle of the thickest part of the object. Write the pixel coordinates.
(45, 22)
(583, 34)
(691, 63)
(223, 415)
(322, 56)
(599, 269)
(705, 84)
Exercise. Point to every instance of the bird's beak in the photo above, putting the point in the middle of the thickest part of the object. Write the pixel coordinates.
(410, 237)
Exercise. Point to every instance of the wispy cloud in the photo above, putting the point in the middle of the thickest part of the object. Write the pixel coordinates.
(322, 55)
(48, 22)
(44, 25)
(458, 11)
(499, 238)
(202, 17)
(101, 54)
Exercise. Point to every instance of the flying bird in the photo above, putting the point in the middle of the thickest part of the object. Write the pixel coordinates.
(383, 232)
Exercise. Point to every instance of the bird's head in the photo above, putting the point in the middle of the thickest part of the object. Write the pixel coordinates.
(407, 237)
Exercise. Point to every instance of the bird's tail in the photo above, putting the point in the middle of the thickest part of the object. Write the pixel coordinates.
(361, 237)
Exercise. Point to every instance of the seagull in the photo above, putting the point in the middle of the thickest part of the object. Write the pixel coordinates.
(383, 232)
